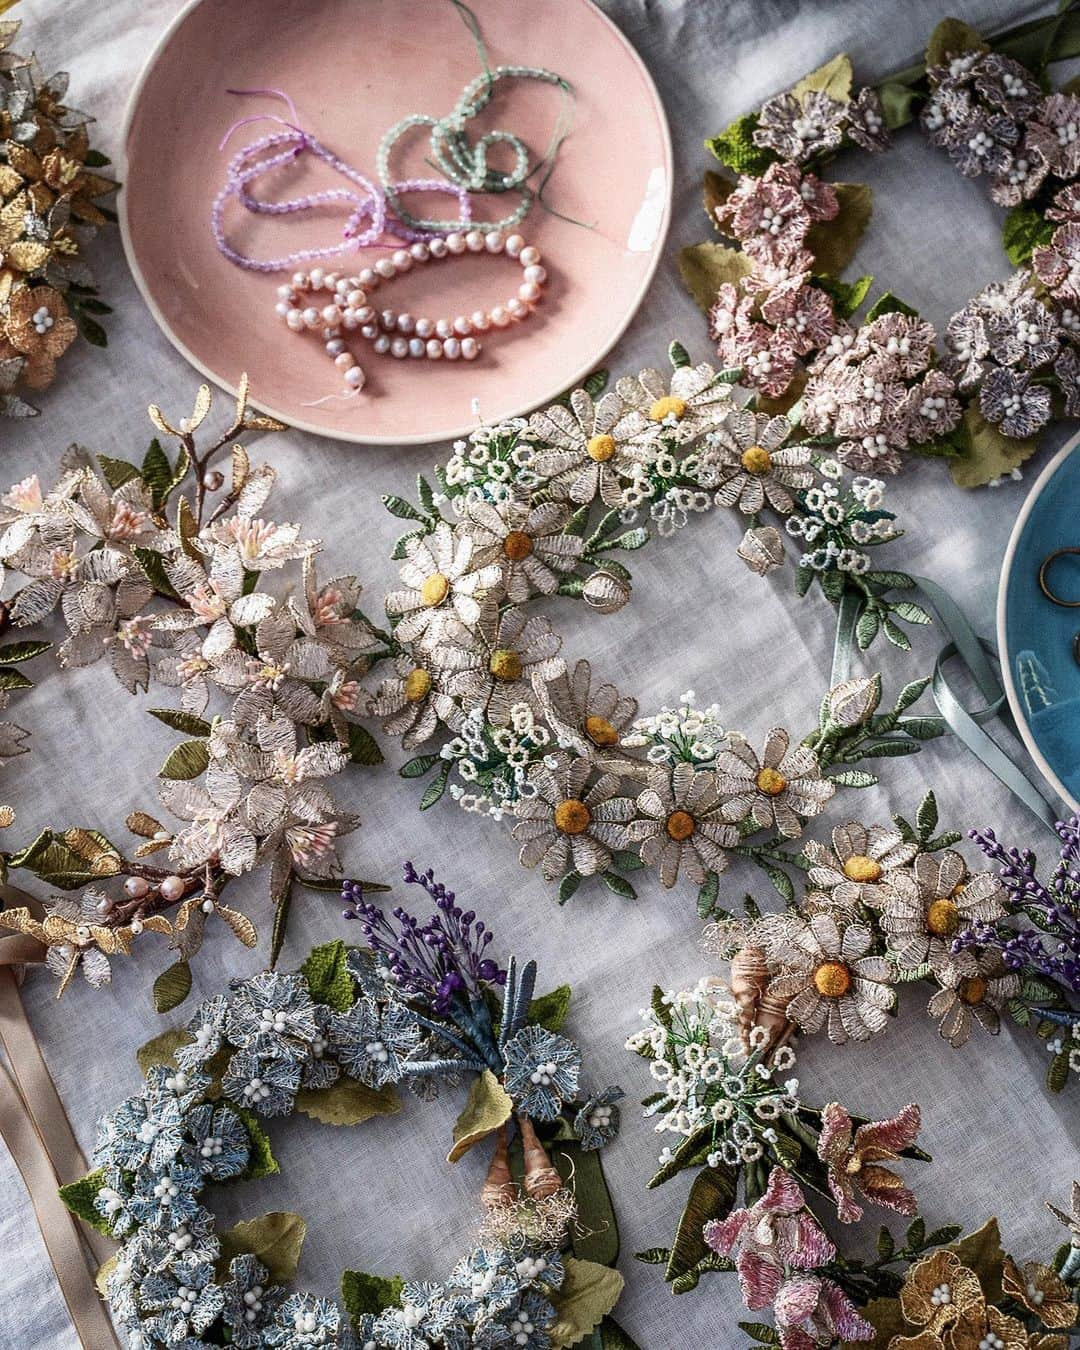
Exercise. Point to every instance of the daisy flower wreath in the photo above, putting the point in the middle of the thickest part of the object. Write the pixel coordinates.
(425, 1003)
(884, 386)
(726, 1090)
(167, 569)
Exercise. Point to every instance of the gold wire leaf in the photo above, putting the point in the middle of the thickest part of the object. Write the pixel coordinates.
(138, 822)
(241, 467)
(156, 923)
(10, 181)
(260, 422)
(7, 815)
(240, 924)
(112, 941)
(22, 921)
(185, 912)
(68, 975)
(241, 396)
(104, 861)
(7, 281)
(833, 78)
(203, 399)
(152, 846)
(952, 37)
(158, 418)
(23, 160)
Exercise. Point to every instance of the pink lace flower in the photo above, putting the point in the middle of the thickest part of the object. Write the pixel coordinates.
(1066, 205)
(766, 356)
(932, 408)
(812, 1312)
(855, 1157)
(768, 218)
(776, 1233)
(1057, 264)
(819, 198)
(804, 314)
(770, 272)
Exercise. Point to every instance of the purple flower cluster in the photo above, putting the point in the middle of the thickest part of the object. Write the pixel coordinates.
(802, 125)
(989, 114)
(876, 390)
(1050, 948)
(437, 961)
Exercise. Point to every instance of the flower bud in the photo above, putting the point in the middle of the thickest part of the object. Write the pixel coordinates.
(606, 592)
(853, 702)
(762, 550)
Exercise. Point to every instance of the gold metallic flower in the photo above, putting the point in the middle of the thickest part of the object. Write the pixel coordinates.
(38, 325)
(938, 1290)
(1040, 1289)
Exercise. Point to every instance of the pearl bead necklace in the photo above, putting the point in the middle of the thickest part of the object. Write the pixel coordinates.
(402, 334)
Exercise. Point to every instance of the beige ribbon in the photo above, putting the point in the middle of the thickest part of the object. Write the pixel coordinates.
(38, 1134)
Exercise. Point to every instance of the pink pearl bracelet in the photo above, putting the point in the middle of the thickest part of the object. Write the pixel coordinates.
(405, 335)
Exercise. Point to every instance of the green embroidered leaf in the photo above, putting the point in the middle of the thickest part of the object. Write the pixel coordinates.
(435, 789)
(367, 1295)
(612, 1337)
(735, 147)
(282, 908)
(705, 267)
(79, 1196)
(761, 1333)
(568, 886)
(923, 728)
(179, 720)
(398, 506)
(654, 1256)
(618, 885)
(887, 303)
(835, 242)
(781, 881)
(416, 768)
(425, 495)
(689, 1280)
(363, 747)
(692, 1152)
(1023, 229)
(328, 977)
(952, 37)
(52, 859)
(661, 1009)
(116, 472)
(854, 778)
(833, 78)
(1057, 1075)
(846, 296)
(596, 382)
(154, 569)
(401, 544)
(347, 1102)
(261, 1160)
(487, 1108)
(707, 895)
(990, 454)
(14, 679)
(595, 1237)
(715, 192)
(587, 1295)
(11, 652)
(911, 693)
(885, 1243)
(274, 1238)
(711, 1197)
(172, 986)
(161, 1049)
(187, 760)
(549, 1010)
(156, 472)
(866, 630)
(911, 612)
(896, 636)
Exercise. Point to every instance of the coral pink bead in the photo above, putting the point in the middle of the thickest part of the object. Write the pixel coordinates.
(470, 349)
(514, 245)
(402, 259)
(530, 256)
(493, 241)
(517, 308)
(535, 273)
(172, 888)
(331, 315)
(456, 243)
(356, 298)
(344, 360)
(474, 241)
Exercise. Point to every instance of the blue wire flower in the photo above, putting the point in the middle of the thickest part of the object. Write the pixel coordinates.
(250, 1301)
(206, 1029)
(489, 1279)
(320, 1071)
(303, 1320)
(191, 1239)
(540, 1268)
(542, 1071)
(143, 1130)
(268, 1086)
(273, 1016)
(372, 1044)
(111, 1201)
(186, 1301)
(598, 1120)
(220, 1143)
(185, 1087)
(528, 1323)
(166, 1197)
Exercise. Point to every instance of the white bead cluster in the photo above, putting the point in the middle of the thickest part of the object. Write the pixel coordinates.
(544, 1074)
(600, 1117)
(403, 334)
(42, 320)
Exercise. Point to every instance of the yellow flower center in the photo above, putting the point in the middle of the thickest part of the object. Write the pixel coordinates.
(417, 685)
(517, 545)
(832, 979)
(756, 459)
(668, 406)
(434, 589)
(680, 825)
(943, 918)
(572, 816)
(972, 989)
(771, 782)
(861, 868)
(505, 664)
(600, 731)
(600, 448)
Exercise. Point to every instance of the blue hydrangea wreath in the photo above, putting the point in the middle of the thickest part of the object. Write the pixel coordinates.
(423, 1003)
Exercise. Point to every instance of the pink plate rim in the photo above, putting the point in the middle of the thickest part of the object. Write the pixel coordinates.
(450, 433)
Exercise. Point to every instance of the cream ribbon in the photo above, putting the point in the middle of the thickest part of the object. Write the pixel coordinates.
(38, 1134)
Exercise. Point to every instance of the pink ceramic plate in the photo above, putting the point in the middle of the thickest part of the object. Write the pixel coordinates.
(354, 67)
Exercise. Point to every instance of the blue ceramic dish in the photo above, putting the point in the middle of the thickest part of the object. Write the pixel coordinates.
(1035, 637)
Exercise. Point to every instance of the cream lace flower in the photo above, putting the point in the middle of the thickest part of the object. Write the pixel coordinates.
(684, 828)
(754, 465)
(587, 717)
(973, 989)
(781, 789)
(440, 579)
(412, 702)
(571, 822)
(528, 544)
(923, 910)
(683, 409)
(591, 455)
(861, 858)
(491, 665)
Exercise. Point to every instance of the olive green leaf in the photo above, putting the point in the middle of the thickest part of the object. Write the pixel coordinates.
(347, 1102)
(261, 1161)
(101, 1278)
(1023, 229)
(990, 453)
(187, 760)
(367, 1295)
(735, 147)
(834, 242)
(79, 1196)
(161, 1049)
(833, 78)
(549, 1010)
(172, 986)
(952, 37)
(487, 1108)
(328, 976)
(981, 1251)
(588, 1294)
(705, 267)
(274, 1238)
(716, 191)
(711, 1197)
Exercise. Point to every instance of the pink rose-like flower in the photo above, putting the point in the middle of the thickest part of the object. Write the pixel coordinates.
(812, 1312)
(855, 1157)
(776, 1233)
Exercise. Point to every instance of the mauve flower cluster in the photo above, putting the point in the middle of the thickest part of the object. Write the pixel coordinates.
(1007, 345)
(877, 391)
(989, 114)
(1051, 947)
(777, 316)
(779, 1248)
(801, 124)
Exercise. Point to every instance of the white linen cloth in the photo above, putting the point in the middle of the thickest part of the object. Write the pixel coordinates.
(381, 1197)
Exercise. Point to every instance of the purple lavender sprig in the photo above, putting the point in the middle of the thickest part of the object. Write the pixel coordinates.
(440, 962)
(1051, 947)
